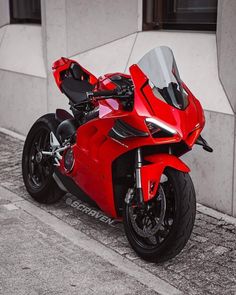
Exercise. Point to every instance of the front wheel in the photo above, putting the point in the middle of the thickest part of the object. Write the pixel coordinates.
(160, 230)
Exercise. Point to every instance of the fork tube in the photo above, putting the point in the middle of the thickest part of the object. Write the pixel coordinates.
(138, 165)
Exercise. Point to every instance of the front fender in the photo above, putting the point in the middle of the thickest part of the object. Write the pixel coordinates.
(151, 173)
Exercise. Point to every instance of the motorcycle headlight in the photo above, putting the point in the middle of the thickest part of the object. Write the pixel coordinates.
(158, 128)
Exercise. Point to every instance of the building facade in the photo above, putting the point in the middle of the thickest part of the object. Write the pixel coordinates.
(109, 36)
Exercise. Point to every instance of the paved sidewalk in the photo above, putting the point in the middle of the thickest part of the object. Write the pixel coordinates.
(42, 255)
(207, 265)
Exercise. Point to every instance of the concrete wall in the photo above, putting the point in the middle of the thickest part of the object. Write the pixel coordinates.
(21, 49)
(30, 50)
(226, 43)
(23, 96)
(96, 22)
(70, 27)
(213, 173)
(22, 99)
(4, 12)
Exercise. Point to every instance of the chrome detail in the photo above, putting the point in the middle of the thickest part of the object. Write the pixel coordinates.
(138, 170)
(56, 149)
(117, 133)
(124, 145)
(164, 178)
(54, 143)
(138, 178)
(129, 196)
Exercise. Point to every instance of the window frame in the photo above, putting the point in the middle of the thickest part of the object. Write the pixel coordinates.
(159, 12)
(14, 20)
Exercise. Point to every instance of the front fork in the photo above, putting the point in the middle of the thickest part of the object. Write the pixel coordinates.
(148, 177)
(138, 190)
(138, 166)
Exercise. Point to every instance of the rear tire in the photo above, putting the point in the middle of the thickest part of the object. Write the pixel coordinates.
(38, 177)
(177, 225)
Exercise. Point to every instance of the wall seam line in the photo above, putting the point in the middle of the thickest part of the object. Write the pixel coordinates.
(131, 51)
(84, 51)
(226, 94)
(46, 57)
(4, 25)
(3, 36)
(221, 113)
(219, 75)
(233, 174)
(21, 73)
(66, 23)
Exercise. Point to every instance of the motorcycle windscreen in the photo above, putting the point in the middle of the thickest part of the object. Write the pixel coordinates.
(160, 68)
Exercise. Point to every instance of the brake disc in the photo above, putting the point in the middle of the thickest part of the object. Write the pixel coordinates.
(150, 230)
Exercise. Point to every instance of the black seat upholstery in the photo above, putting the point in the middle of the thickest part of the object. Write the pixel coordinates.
(77, 72)
(76, 90)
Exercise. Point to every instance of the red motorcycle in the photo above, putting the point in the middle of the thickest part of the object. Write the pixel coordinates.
(120, 149)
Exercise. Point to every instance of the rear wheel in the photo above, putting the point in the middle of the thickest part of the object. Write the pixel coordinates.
(160, 230)
(37, 169)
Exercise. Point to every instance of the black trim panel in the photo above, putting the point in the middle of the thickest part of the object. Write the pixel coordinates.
(74, 189)
(122, 130)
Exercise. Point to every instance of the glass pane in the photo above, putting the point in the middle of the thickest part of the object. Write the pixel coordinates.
(25, 11)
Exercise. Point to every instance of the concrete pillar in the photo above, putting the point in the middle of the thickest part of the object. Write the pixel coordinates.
(4, 12)
(55, 46)
(234, 174)
(226, 45)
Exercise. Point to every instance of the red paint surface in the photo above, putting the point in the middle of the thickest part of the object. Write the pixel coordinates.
(95, 151)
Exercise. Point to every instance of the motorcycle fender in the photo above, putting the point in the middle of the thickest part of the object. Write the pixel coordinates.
(151, 173)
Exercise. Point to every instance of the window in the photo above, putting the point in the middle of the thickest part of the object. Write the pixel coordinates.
(180, 14)
(25, 11)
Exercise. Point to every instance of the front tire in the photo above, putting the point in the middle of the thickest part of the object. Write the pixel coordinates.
(37, 170)
(171, 212)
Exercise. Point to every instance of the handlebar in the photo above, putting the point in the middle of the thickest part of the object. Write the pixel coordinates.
(121, 93)
(102, 93)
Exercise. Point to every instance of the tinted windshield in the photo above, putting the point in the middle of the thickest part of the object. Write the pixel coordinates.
(160, 68)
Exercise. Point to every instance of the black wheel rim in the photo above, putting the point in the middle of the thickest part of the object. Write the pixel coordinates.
(153, 241)
(39, 167)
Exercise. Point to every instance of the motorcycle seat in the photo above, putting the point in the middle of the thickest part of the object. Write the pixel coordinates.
(76, 90)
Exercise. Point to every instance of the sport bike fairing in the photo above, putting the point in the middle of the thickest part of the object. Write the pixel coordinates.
(164, 112)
